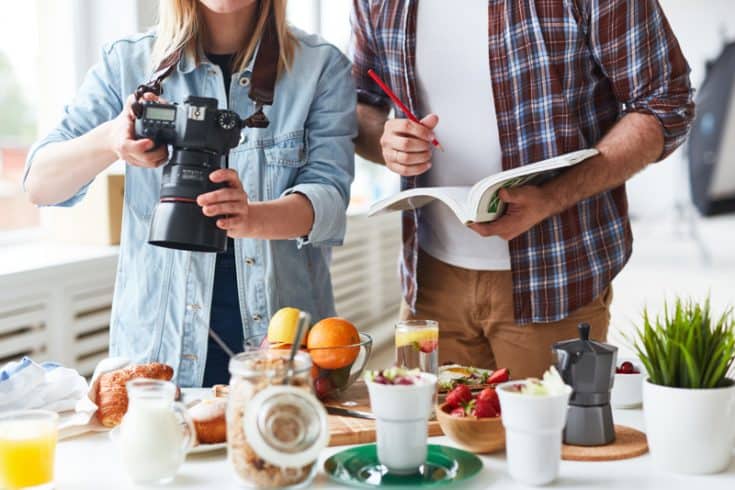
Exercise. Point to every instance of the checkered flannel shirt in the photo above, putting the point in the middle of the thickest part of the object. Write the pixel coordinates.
(563, 73)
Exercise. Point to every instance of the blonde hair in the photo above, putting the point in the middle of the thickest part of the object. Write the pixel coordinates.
(181, 26)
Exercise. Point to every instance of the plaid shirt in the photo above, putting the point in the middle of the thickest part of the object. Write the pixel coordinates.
(563, 72)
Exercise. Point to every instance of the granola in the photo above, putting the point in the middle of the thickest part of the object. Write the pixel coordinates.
(248, 465)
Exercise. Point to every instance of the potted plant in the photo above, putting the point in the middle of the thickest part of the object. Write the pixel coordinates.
(688, 400)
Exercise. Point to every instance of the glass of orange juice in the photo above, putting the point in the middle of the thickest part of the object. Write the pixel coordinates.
(27, 448)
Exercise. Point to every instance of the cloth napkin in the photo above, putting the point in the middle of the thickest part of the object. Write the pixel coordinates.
(26, 385)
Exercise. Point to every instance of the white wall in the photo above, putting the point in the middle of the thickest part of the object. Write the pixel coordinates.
(702, 27)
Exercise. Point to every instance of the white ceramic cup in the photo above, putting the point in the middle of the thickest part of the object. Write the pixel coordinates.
(533, 433)
(402, 417)
(627, 390)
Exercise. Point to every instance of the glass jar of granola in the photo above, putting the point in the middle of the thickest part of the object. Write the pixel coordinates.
(276, 427)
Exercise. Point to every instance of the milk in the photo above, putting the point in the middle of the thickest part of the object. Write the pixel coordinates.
(153, 440)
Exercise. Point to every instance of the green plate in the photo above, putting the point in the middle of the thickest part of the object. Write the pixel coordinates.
(359, 466)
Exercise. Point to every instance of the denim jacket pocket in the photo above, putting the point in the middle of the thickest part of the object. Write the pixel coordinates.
(288, 149)
(285, 155)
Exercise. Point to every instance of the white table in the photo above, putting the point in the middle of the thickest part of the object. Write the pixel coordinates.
(91, 462)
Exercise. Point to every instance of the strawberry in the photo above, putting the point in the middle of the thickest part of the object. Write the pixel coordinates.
(490, 395)
(428, 346)
(460, 395)
(484, 409)
(498, 376)
(457, 412)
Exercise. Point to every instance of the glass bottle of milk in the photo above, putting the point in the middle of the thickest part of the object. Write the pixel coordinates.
(156, 432)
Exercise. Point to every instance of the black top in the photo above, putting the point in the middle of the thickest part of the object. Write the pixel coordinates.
(225, 319)
(224, 61)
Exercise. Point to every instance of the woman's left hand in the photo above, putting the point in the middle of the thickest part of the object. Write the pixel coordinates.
(229, 203)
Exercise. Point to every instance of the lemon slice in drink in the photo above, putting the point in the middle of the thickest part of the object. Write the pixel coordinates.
(416, 337)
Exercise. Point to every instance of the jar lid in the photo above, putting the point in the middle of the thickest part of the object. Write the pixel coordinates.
(268, 363)
(286, 426)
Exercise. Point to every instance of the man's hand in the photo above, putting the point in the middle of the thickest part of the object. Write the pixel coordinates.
(526, 206)
(406, 145)
(229, 204)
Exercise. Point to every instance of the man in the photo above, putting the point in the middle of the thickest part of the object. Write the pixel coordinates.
(509, 83)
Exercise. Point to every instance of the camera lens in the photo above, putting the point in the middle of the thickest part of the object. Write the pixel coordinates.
(178, 221)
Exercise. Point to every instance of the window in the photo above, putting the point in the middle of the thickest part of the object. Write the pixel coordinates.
(18, 117)
(331, 19)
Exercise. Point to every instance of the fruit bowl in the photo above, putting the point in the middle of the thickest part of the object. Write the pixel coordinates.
(477, 435)
(334, 368)
(627, 390)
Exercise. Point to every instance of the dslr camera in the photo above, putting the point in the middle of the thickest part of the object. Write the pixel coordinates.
(200, 135)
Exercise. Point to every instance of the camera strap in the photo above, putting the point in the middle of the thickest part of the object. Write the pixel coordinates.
(262, 81)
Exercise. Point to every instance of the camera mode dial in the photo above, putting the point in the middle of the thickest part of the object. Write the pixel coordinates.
(227, 120)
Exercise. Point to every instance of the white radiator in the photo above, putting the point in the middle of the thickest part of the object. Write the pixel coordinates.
(58, 310)
(58, 307)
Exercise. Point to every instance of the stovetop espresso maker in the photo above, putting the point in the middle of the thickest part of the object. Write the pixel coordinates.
(589, 368)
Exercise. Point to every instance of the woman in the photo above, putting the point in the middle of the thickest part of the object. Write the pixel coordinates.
(287, 184)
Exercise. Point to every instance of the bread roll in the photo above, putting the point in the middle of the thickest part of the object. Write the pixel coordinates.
(112, 396)
(209, 420)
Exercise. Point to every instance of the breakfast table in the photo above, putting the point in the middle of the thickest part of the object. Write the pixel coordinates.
(91, 461)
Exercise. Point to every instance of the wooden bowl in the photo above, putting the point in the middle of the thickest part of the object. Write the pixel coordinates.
(476, 435)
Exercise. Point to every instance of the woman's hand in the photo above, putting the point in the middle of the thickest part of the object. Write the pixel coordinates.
(123, 143)
(406, 145)
(229, 204)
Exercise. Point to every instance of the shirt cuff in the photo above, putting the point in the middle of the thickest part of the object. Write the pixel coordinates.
(329, 215)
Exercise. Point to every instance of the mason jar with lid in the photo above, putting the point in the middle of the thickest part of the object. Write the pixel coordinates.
(276, 427)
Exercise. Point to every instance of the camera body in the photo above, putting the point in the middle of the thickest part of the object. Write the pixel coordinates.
(196, 124)
(200, 135)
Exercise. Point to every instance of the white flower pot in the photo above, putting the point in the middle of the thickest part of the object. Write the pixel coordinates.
(688, 430)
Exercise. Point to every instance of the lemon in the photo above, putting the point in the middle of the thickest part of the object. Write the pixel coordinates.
(416, 336)
(282, 327)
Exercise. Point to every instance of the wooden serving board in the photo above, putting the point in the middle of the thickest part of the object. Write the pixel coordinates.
(350, 430)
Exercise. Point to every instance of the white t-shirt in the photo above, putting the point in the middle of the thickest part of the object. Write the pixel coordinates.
(453, 81)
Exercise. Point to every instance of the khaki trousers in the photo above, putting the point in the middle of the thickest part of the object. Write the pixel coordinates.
(476, 324)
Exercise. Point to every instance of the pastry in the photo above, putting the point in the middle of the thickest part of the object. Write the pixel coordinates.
(112, 395)
(220, 391)
(209, 420)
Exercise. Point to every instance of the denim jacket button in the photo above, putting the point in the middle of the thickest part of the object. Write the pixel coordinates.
(257, 318)
(244, 81)
(194, 307)
(250, 261)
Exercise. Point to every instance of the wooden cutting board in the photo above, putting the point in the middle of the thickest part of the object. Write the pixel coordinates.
(350, 430)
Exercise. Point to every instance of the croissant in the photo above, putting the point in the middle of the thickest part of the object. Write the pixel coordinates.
(112, 396)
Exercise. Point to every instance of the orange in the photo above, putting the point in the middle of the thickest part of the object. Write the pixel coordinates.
(327, 343)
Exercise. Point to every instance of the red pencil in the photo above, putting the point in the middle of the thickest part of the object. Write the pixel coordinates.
(400, 104)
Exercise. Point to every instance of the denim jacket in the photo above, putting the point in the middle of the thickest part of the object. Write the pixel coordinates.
(162, 299)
